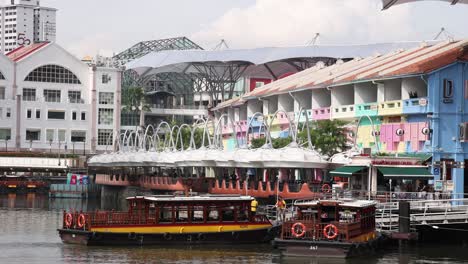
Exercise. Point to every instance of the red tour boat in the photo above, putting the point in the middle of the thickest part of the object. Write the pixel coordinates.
(330, 228)
(170, 220)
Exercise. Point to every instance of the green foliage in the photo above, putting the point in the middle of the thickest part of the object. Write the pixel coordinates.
(327, 136)
(133, 98)
(277, 142)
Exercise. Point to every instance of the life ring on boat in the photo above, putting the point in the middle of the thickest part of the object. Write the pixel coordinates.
(68, 220)
(298, 229)
(167, 236)
(326, 188)
(81, 221)
(330, 231)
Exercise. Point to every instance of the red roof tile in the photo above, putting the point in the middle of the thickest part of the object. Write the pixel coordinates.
(24, 51)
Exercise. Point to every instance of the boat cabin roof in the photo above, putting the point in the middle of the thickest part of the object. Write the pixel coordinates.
(341, 203)
(204, 198)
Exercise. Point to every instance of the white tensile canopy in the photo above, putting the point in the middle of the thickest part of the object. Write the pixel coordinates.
(389, 3)
(189, 61)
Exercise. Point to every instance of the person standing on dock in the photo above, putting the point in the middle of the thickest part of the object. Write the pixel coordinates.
(280, 209)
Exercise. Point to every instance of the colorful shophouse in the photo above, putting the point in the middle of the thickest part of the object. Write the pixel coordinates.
(404, 104)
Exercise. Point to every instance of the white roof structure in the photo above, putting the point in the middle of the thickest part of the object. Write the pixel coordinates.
(207, 198)
(184, 61)
(389, 3)
(341, 202)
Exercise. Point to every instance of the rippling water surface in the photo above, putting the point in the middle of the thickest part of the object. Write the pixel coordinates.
(28, 234)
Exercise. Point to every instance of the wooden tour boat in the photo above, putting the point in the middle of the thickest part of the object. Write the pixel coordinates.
(330, 228)
(171, 220)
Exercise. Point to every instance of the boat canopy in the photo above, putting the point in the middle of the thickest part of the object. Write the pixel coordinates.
(172, 198)
(341, 203)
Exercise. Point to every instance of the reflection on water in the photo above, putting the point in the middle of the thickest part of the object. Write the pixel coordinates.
(28, 235)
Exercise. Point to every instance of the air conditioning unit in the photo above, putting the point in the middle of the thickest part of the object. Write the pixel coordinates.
(464, 132)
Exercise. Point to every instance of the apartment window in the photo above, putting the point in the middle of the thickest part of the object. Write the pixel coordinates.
(74, 97)
(448, 88)
(2, 93)
(83, 116)
(105, 137)
(106, 98)
(8, 112)
(1, 112)
(52, 74)
(62, 135)
(50, 133)
(5, 134)
(1, 76)
(33, 134)
(52, 96)
(106, 116)
(74, 115)
(29, 113)
(57, 115)
(29, 94)
(38, 114)
(78, 136)
(106, 78)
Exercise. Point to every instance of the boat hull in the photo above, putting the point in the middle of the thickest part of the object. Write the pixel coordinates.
(327, 249)
(71, 236)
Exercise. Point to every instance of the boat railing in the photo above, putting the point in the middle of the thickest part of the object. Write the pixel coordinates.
(319, 231)
(112, 218)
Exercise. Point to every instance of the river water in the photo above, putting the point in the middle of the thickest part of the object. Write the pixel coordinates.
(28, 234)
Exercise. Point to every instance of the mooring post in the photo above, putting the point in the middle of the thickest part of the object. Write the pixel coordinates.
(404, 217)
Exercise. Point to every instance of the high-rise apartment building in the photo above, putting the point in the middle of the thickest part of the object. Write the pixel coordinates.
(23, 22)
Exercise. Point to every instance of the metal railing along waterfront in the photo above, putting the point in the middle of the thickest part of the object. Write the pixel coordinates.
(423, 212)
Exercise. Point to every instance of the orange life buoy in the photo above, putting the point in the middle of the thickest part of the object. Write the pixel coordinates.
(326, 188)
(81, 221)
(298, 233)
(68, 220)
(330, 231)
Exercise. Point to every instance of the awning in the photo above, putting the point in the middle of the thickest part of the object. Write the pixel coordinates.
(346, 171)
(406, 173)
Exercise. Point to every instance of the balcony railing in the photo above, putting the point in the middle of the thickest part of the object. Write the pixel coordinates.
(391, 108)
(367, 109)
(321, 113)
(415, 106)
(344, 111)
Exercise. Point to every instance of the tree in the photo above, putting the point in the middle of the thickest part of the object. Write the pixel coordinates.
(134, 99)
(327, 136)
(276, 142)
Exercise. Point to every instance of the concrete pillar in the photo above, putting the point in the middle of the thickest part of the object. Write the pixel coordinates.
(94, 111)
(117, 109)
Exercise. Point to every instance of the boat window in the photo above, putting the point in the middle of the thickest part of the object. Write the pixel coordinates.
(347, 216)
(228, 214)
(165, 215)
(327, 213)
(213, 214)
(182, 214)
(242, 213)
(152, 212)
(197, 214)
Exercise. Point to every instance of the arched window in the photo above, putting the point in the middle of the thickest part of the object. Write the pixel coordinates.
(52, 74)
(1, 76)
